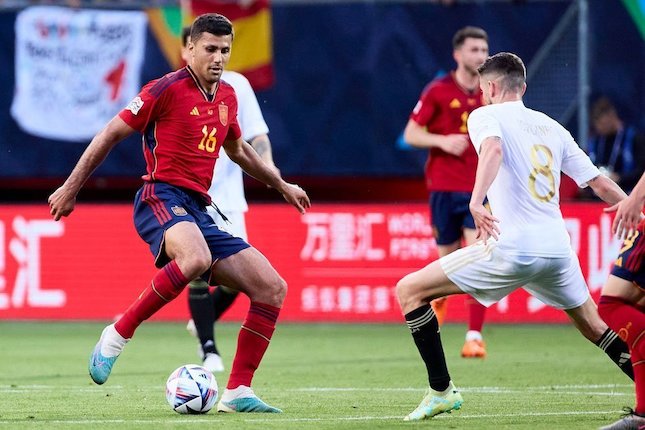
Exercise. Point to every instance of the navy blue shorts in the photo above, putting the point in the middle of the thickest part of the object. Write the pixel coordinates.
(158, 206)
(629, 264)
(449, 214)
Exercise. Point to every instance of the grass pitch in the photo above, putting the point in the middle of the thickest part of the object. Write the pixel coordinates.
(323, 376)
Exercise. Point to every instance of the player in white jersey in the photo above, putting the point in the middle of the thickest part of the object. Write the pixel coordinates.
(524, 243)
(227, 193)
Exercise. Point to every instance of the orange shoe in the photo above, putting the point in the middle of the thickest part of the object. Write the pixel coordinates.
(474, 349)
(440, 308)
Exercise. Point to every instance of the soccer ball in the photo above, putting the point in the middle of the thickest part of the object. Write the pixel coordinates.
(191, 389)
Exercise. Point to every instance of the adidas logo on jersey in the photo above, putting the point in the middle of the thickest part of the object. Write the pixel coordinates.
(194, 112)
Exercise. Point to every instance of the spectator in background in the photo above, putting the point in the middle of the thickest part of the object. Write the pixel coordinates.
(438, 123)
(227, 192)
(616, 148)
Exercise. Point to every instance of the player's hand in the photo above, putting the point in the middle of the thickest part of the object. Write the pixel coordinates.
(485, 222)
(455, 144)
(297, 197)
(61, 203)
(628, 215)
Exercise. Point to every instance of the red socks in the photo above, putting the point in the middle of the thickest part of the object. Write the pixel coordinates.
(629, 323)
(476, 313)
(165, 286)
(252, 343)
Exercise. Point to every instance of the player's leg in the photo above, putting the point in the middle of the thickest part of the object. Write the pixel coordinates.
(474, 270)
(588, 322)
(201, 324)
(164, 218)
(207, 307)
(189, 256)
(250, 272)
(474, 346)
(622, 307)
(561, 285)
(414, 292)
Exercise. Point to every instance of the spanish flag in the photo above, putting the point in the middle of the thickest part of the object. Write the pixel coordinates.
(252, 47)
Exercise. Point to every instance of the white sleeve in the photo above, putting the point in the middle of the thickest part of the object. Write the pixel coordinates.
(575, 163)
(482, 125)
(249, 114)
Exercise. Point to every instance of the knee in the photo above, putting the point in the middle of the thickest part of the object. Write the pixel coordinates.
(279, 289)
(195, 265)
(404, 293)
(272, 292)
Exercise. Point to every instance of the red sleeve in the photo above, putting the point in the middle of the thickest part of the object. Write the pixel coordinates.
(141, 110)
(425, 108)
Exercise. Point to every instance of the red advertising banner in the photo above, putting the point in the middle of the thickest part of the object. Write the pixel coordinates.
(341, 262)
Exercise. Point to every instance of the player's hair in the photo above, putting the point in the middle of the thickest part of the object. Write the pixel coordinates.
(509, 66)
(212, 23)
(468, 32)
(601, 107)
(185, 34)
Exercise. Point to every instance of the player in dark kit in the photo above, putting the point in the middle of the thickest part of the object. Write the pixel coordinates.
(622, 301)
(439, 123)
(185, 117)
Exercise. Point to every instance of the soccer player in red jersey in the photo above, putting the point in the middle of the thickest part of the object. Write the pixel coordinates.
(622, 301)
(438, 122)
(185, 117)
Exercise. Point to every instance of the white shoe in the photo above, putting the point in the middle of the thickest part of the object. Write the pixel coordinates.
(213, 362)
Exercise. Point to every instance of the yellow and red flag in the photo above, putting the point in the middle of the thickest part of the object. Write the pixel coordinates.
(253, 45)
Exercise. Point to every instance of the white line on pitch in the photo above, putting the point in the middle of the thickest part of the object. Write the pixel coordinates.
(288, 420)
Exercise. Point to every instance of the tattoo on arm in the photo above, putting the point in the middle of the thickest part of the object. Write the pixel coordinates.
(261, 144)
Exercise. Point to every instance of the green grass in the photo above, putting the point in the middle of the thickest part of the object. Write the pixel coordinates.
(323, 376)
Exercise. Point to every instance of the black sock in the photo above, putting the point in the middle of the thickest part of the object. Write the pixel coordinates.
(222, 300)
(201, 310)
(617, 350)
(425, 331)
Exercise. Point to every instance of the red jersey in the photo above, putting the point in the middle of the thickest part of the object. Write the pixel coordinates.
(443, 108)
(183, 128)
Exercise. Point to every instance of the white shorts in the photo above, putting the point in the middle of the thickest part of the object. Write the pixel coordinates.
(237, 226)
(488, 274)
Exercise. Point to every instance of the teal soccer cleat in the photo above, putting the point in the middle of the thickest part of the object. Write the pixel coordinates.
(433, 404)
(246, 404)
(100, 366)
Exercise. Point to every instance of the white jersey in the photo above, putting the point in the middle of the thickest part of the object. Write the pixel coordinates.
(227, 188)
(525, 194)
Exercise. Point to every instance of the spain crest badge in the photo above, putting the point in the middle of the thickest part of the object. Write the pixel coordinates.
(223, 114)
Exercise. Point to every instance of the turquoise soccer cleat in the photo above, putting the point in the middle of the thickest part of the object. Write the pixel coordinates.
(432, 405)
(100, 366)
(246, 404)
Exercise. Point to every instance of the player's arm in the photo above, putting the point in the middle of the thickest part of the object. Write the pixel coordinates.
(240, 152)
(606, 189)
(490, 160)
(62, 201)
(629, 211)
(417, 135)
(262, 146)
